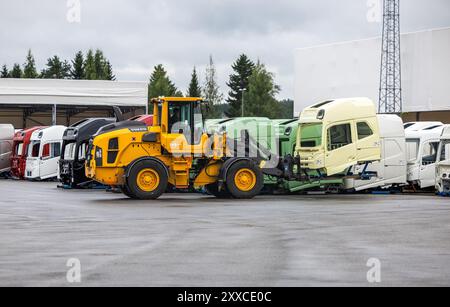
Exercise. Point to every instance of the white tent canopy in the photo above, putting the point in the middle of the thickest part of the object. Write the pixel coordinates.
(72, 92)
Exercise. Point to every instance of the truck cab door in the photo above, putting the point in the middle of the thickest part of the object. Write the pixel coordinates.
(394, 159)
(49, 162)
(341, 148)
(427, 173)
(368, 141)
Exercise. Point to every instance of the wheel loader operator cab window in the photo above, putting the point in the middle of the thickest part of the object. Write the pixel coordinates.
(186, 118)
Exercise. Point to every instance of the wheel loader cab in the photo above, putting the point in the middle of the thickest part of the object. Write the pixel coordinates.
(337, 134)
(180, 117)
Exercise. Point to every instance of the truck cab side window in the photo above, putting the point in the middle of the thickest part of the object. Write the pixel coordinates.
(56, 150)
(429, 153)
(339, 136)
(364, 130)
(46, 151)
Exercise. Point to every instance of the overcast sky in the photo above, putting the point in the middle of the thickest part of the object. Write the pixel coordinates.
(138, 34)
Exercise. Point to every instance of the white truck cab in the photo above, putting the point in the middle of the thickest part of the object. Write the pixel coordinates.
(6, 143)
(44, 153)
(391, 169)
(416, 126)
(421, 149)
(443, 164)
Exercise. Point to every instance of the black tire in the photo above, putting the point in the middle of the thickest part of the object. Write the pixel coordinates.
(126, 191)
(213, 189)
(132, 188)
(234, 190)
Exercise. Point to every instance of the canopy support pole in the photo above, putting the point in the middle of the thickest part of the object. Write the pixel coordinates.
(54, 115)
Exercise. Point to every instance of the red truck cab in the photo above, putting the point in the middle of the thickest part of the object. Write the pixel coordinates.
(147, 119)
(19, 154)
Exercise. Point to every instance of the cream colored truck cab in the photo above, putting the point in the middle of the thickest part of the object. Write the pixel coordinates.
(335, 135)
(391, 170)
(443, 164)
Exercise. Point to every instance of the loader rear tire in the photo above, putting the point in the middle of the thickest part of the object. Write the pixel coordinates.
(147, 180)
(244, 180)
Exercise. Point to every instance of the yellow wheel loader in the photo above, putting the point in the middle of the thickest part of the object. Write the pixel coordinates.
(174, 152)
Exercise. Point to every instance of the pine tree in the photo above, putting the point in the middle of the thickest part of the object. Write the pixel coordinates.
(109, 74)
(77, 71)
(260, 98)
(243, 68)
(90, 72)
(100, 63)
(211, 91)
(56, 69)
(16, 72)
(4, 73)
(194, 87)
(160, 84)
(287, 109)
(29, 68)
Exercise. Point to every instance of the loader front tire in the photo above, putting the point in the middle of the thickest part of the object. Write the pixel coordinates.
(244, 180)
(147, 180)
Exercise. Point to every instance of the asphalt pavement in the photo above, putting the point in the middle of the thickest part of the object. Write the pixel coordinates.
(197, 240)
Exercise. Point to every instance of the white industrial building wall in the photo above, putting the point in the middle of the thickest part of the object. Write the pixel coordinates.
(352, 69)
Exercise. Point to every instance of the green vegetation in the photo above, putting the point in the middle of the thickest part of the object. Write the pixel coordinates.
(251, 84)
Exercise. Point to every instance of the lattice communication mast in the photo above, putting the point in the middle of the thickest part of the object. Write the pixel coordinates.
(390, 77)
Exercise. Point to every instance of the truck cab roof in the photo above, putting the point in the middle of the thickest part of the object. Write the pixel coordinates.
(416, 126)
(425, 134)
(26, 134)
(391, 126)
(85, 129)
(446, 133)
(50, 133)
(6, 132)
(339, 110)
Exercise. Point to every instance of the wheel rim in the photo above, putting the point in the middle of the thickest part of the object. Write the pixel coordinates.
(245, 179)
(148, 180)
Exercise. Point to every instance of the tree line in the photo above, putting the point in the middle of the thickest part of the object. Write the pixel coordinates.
(252, 90)
(252, 87)
(92, 65)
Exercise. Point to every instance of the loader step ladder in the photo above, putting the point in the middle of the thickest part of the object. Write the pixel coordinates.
(181, 170)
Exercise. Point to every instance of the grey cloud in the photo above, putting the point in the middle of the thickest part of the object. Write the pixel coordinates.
(138, 34)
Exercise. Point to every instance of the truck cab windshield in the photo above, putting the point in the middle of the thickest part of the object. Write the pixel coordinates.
(310, 135)
(69, 151)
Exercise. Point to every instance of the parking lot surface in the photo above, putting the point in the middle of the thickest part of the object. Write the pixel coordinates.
(197, 240)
